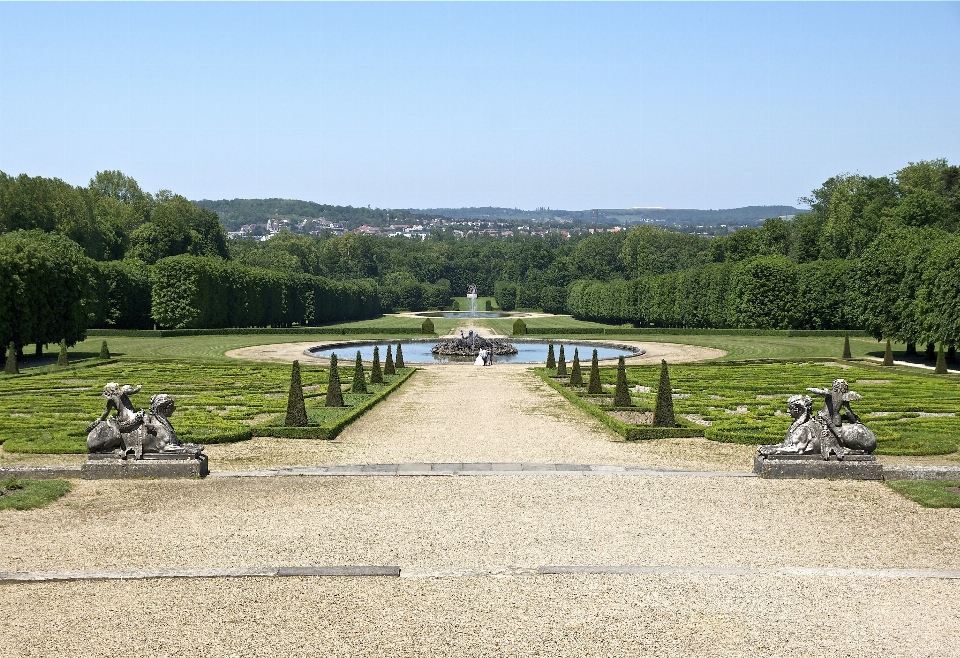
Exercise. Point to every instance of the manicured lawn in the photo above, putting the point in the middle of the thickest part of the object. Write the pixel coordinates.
(216, 402)
(938, 493)
(747, 403)
(31, 494)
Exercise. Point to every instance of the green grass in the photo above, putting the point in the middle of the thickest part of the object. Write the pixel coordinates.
(928, 493)
(742, 401)
(215, 402)
(31, 494)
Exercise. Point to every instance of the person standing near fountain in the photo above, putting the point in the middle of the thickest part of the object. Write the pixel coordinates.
(481, 358)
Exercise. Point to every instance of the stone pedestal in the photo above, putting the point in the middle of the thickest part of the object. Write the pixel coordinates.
(101, 467)
(852, 467)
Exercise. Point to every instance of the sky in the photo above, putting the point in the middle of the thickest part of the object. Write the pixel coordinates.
(423, 105)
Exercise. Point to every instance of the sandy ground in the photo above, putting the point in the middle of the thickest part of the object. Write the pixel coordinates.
(451, 523)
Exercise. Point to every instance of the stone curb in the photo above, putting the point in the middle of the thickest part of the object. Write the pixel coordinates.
(10, 578)
(921, 473)
(40, 472)
(476, 469)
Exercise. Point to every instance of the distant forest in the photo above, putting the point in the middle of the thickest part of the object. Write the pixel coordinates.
(239, 212)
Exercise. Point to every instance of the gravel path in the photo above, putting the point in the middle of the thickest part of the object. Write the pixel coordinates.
(455, 523)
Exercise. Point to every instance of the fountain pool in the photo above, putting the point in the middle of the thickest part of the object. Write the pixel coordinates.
(417, 351)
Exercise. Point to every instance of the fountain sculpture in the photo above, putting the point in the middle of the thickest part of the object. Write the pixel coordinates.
(471, 344)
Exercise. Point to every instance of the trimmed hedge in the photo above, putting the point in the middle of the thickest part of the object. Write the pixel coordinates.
(626, 430)
(242, 331)
(669, 331)
(328, 432)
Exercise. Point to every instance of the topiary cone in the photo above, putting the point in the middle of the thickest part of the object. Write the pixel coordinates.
(11, 367)
(400, 357)
(621, 394)
(519, 327)
(561, 364)
(941, 368)
(388, 367)
(427, 326)
(846, 347)
(296, 410)
(594, 386)
(888, 355)
(663, 411)
(104, 352)
(62, 358)
(576, 378)
(334, 394)
(551, 361)
(359, 384)
(376, 375)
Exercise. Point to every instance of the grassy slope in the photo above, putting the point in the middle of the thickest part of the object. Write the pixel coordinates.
(928, 494)
(31, 494)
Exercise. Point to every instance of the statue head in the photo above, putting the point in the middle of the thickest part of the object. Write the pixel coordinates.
(799, 406)
(161, 404)
(112, 389)
(840, 385)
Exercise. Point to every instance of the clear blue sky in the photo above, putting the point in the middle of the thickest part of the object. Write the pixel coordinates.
(569, 105)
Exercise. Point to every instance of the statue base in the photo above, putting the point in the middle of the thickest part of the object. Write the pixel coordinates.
(851, 467)
(110, 467)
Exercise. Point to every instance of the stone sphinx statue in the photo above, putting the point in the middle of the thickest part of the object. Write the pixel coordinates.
(131, 432)
(825, 433)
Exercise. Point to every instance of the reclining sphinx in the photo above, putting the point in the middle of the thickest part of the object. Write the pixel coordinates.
(825, 433)
(131, 432)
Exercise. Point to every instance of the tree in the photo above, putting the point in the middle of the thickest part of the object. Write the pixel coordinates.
(888, 355)
(621, 394)
(551, 360)
(63, 359)
(388, 367)
(359, 384)
(399, 362)
(104, 352)
(561, 364)
(663, 411)
(846, 347)
(941, 368)
(376, 375)
(44, 288)
(594, 387)
(334, 393)
(11, 365)
(576, 377)
(296, 410)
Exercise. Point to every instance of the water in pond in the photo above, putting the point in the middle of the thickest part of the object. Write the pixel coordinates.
(419, 352)
(464, 314)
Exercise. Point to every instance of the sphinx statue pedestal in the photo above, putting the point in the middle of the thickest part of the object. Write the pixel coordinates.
(852, 467)
(152, 465)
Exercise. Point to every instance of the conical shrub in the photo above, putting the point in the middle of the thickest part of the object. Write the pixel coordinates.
(576, 377)
(62, 358)
(296, 410)
(846, 347)
(376, 375)
(104, 352)
(427, 327)
(359, 384)
(941, 368)
(561, 364)
(400, 356)
(334, 393)
(388, 367)
(488, 305)
(519, 327)
(11, 367)
(888, 355)
(621, 394)
(594, 387)
(663, 411)
(551, 361)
